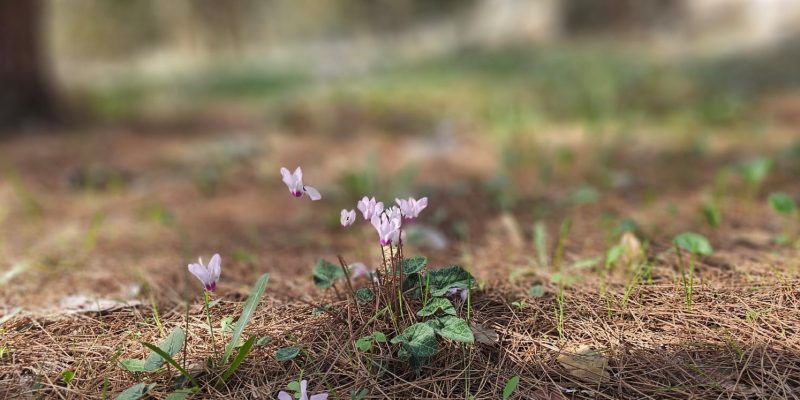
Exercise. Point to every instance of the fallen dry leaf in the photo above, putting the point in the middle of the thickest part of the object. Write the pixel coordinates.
(586, 364)
(484, 335)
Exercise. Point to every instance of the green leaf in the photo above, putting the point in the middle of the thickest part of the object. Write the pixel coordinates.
(263, 341)
(510, 387)
(446, 278)
(325, 274)
(613, 254)
(135, 392)
(411, 286)
(287, 353)
(359, 395)
(782, 203)
(171, 361)
(364, 296)
(711, 213)
(181, 394)
(434, 305)
(693, 243)
(171, 345)
(418, 340)
(132, 365)
(293, 386)
(536, 291)
(379, 337)
(455, 328)
(364, 343)
(247, 312)
(756, 170)
(239, 358)
(413, 265)
(67, 376)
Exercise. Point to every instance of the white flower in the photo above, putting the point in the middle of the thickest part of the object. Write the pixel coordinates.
(369, 207)
(303, 393)
(208, 275)
(388, 228)
(394, 213)
(347, 217)
(411, 207)
(358, 270)
(295, 183)
(457, 291)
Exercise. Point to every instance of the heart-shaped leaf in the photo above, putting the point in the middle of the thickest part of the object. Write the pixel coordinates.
(287, 353)
(694, 243)
(325, 274)
(454, 276)
(171, 345)
(455, 328)
(418, 341)
(413, 265)
(364, 296)
(135, 392)
(434, 305)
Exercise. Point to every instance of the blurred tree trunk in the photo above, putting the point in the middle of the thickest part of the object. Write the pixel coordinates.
(25, 91)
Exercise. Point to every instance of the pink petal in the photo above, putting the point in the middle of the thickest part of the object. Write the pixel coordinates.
(285, 396)
(312, 193)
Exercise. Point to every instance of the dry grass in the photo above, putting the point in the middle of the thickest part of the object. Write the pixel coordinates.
(655, 349)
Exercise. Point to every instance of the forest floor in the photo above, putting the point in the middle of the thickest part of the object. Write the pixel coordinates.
(98, 224)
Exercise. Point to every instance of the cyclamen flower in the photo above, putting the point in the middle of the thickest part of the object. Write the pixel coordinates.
(388, 228)
(411, 207)
(358, 270)
(348, 217)
(369, 207)
(395, 213)
(303, 394)
(208, 275)
(295, 183)
(460, 291)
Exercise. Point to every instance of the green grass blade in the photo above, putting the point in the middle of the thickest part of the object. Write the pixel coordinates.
(249, 308)
(243, 351)
(171, 361)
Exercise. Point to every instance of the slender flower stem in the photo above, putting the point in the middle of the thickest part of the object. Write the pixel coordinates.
(210, 327)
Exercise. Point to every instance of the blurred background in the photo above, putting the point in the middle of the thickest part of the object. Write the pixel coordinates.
(138, 134)
(541, 60)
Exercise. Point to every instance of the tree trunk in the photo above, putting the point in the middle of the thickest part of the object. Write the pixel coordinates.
(25, 92)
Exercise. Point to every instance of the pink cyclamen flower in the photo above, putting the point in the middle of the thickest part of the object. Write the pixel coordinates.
(411, 207)
(295, 183)
(369, 207)
(388, 228)
(358, 270)
(209, 275)
(458, 291)
(303, 393)
(348, 217)
(394, 212)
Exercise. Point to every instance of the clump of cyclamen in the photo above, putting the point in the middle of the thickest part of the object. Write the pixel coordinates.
(209, 275)
(386, 221)
(295, 183)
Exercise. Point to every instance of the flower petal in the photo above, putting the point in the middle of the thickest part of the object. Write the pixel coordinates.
(285, 396)
(214, 267)
(320, 396)
(200, 272)
(312, 193)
